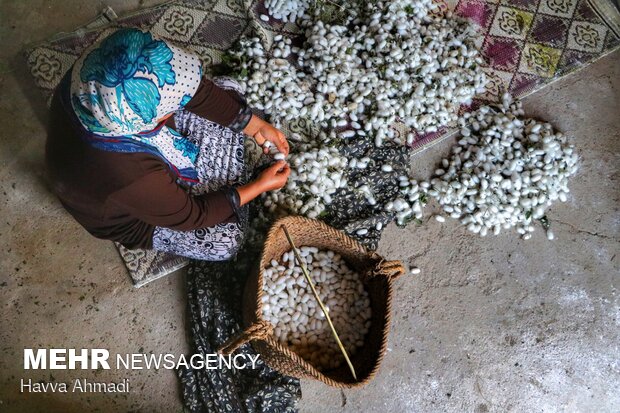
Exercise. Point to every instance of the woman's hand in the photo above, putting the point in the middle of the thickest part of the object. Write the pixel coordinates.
(263, 131)
(273, 177)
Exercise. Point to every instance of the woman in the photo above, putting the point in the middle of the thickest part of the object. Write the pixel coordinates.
(145, 151)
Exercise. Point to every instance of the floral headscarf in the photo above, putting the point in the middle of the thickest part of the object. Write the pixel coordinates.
(123, 86)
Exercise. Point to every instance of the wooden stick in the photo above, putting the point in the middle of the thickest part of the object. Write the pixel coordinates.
(318, 299)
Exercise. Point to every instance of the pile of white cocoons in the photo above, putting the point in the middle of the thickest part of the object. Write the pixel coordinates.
(273, 84)
(289, 305)
(287, 10)
(505, 171)
(391, 61)
(410, 202)
(316, 174)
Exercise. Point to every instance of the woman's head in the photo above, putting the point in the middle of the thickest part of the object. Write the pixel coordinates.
(128, 81)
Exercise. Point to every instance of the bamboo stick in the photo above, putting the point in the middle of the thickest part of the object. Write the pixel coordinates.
(318, 299)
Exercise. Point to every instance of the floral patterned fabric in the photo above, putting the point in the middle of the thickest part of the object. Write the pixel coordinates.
(129, 81)
(125, 84)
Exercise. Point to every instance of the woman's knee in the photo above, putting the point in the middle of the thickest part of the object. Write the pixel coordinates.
(222, 255)
(220, 243)
(225, 250)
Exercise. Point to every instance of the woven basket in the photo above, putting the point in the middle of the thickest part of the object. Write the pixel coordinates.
(377, 276)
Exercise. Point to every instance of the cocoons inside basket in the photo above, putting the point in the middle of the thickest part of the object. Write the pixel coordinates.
(290, 306)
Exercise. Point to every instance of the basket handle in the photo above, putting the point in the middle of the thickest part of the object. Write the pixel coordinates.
(389, 269)
(256, 331)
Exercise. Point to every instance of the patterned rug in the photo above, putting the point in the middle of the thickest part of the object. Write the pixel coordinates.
(528, 44)
(145, 266)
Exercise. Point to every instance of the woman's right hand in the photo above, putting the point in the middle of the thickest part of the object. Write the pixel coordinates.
(274, 177)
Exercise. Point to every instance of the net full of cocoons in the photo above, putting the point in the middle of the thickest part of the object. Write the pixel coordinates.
(289, 305)
(389, 61)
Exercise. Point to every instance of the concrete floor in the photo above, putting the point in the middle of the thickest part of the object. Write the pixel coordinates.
(490, 325)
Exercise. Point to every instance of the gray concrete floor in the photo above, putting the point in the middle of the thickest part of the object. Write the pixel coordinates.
(490, 325)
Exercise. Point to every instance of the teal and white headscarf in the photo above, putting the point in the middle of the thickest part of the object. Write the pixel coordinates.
(123, 86)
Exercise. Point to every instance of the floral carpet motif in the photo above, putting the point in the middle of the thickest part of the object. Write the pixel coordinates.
(530, 43)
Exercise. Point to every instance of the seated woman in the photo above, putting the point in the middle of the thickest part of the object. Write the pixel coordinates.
(144, 150)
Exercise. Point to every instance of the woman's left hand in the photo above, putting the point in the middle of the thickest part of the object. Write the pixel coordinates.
(263, 131)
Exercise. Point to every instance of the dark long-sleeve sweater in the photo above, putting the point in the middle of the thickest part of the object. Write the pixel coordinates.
(124, 196)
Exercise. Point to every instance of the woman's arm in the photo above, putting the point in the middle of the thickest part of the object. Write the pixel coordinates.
(158, 200)
(215, 104)
(227, 108)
